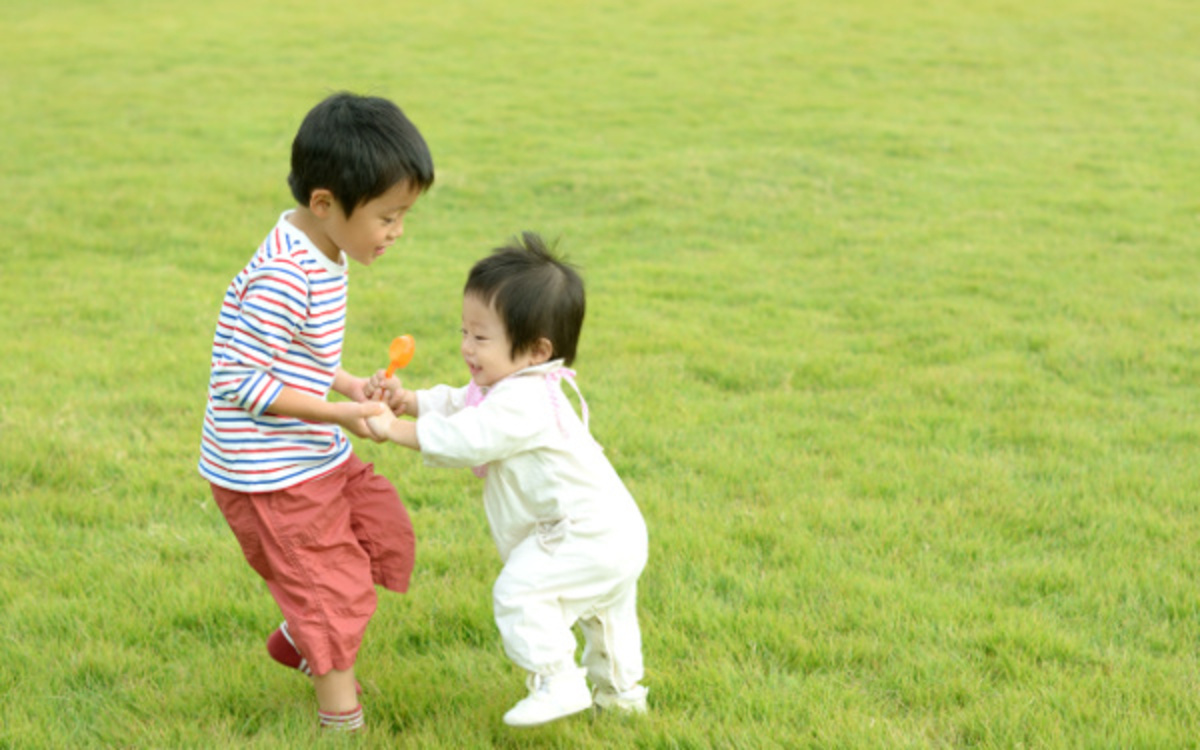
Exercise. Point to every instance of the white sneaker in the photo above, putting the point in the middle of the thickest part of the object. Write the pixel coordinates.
(551, 697)
(631, 701)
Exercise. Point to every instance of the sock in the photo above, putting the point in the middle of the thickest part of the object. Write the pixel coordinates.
(347, 721)
(283, 650)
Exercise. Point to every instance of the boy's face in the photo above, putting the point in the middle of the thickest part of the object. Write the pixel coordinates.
(373, 226)
(486, 347)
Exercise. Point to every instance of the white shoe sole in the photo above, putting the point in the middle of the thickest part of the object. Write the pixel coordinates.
(543, 719)
(515, 718)
(609, 701)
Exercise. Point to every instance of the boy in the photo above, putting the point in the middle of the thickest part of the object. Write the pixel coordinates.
(316, 523)
(571, 537)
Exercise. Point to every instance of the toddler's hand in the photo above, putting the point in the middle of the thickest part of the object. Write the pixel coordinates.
(374, 387)
(352, 416)
(391, 392)
(385, 389)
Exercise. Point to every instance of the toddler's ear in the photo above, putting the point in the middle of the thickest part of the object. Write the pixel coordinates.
(543, 350)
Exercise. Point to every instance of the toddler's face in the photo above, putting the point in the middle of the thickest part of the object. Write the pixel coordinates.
(486, 347)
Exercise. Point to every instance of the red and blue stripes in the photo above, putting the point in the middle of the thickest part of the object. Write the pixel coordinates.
(281, 324)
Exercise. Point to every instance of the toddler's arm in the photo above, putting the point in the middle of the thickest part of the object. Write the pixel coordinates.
(384, 426)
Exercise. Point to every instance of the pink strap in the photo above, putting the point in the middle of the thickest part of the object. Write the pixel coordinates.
(476, 395)
(552, 379)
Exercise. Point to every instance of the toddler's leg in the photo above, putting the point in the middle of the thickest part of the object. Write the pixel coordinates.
(526, 601)
(612, 653)
(537, 636)
(612, 649)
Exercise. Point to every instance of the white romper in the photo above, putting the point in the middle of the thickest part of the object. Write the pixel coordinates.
(571, 537)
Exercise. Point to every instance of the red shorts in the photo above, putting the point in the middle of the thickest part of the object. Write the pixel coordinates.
(321, 546)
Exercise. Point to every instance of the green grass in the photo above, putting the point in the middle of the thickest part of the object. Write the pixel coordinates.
(892, 331)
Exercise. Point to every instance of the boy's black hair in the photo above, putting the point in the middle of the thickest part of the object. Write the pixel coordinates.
(357, 147)
(535, 293)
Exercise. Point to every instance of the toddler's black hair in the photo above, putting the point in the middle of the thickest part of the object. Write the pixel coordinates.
(535, 293)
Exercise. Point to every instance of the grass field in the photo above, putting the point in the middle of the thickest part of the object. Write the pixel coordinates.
(893, 312)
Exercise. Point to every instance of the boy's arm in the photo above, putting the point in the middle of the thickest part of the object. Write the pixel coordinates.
(350, 386)
(293, 403)
(258, 328)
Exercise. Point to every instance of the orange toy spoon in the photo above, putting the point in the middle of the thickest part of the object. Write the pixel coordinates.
(401, 353)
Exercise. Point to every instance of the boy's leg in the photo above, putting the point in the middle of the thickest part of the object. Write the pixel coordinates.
(337, 694)
(283, 649)
(323, 583)
(381, 524)
(300, 541)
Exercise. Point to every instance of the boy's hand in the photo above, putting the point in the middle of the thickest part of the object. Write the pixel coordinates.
(358, 390)
(379, 419)
(350, 386)
(353, 418)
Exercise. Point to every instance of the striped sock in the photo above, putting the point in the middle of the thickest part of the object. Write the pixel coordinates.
(347, 721)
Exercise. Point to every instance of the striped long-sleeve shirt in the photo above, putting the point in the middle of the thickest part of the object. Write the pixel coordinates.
(281, 324)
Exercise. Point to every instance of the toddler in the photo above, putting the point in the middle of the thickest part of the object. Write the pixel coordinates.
(571, 537)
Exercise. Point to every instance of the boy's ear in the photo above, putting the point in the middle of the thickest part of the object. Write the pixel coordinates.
(321, 202)
(543, 350)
